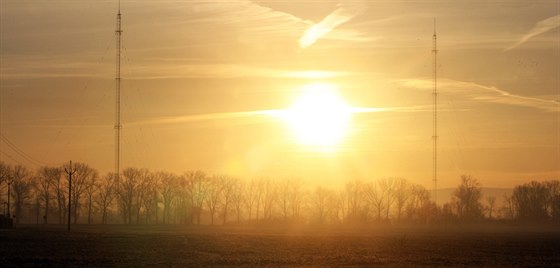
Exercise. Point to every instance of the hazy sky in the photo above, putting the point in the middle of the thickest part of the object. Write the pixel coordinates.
(198, 74)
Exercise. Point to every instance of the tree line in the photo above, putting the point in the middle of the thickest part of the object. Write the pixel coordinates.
(140, 196)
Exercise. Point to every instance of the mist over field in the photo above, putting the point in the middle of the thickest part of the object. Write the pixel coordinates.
(148, 246)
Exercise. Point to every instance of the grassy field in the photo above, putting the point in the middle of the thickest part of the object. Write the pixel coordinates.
(197, 246)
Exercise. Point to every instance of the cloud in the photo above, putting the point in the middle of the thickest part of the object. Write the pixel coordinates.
(204, 117)
(18, 67)
(244, 17)
(539, 28)
(483, 93)
(344, 13)
(256, 116)
(195, 70)
(505, 97)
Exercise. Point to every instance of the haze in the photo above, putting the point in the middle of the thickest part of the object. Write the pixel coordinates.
(201, 77)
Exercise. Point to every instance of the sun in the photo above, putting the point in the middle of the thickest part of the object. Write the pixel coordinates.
(319, 117)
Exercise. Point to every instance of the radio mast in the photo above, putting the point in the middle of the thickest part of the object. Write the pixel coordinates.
(435, 123)
(118, 125)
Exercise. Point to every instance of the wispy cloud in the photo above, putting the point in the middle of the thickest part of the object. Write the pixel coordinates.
(504, 97)
(483, 93)
(204, 117)
(263, 114)
(196, 70)
(539, 28)
(245, 17)
(342, 14)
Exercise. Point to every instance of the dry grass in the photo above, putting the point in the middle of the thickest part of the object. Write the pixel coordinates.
(149, 246)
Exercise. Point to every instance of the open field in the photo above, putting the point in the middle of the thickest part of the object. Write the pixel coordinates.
(133, 246)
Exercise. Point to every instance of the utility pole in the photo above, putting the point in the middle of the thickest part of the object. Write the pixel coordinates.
(70, 171)
(10, 180)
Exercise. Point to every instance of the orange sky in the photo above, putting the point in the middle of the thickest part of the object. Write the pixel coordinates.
(198, 74)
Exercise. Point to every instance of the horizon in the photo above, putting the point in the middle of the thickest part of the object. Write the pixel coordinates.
(247, 88)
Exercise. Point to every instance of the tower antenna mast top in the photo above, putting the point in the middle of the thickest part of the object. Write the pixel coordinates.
(118, 126)
(435, 118)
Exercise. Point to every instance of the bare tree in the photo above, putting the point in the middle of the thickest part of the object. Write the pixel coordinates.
(196, 187)
(228, 186)
(491, 201)
(297, 197)
(127, 188)
(341, 205)
(5, 182)
(251, 198)
(169, 188)
(181, 207)
(150, 199)
(467, 199)
(284, 189)
(143, 186)
(320, 203)
(554, 199)
(530, 201)
(401, 194)
(290, 198)
(259, 189)
(5, 171)
(332, 207)
(61, 191)
(214, 195)
(269, 194)
(418, 207)
(354, 195)
(90, 191)
(47, 178)
(508, 209)
(238, 198)
(37, 197)
(106, 192)
(375, 197)
(21, 189)
(387, 185)
(80, 181)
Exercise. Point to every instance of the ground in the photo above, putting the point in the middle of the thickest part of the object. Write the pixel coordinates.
(199, 246)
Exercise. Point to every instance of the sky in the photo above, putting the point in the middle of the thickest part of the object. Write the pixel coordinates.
(201, 81)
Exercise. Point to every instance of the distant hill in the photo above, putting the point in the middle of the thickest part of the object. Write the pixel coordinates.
(444, 195)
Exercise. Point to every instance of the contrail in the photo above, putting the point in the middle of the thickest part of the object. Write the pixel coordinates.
(204, 117)
(339, 16)
(539, 28)
(278, 113)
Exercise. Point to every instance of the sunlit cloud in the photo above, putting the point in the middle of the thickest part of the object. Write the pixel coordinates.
(223, 70)
(539, 28)
(19, 67)
(204, 117)
(201, 70)
(482, 93)
(270, 114)
(342, 14)
(314, 74)
(244, 16)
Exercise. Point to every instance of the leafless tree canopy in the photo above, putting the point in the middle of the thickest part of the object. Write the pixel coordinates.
(140, 196)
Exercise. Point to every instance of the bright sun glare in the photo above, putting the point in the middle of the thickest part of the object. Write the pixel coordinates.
(319, 117)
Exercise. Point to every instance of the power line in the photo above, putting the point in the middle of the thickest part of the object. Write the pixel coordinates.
(9, 156)
(20, 152)
(69, 138)
(147, 146)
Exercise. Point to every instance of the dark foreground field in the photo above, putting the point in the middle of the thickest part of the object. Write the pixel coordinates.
(206, 246)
